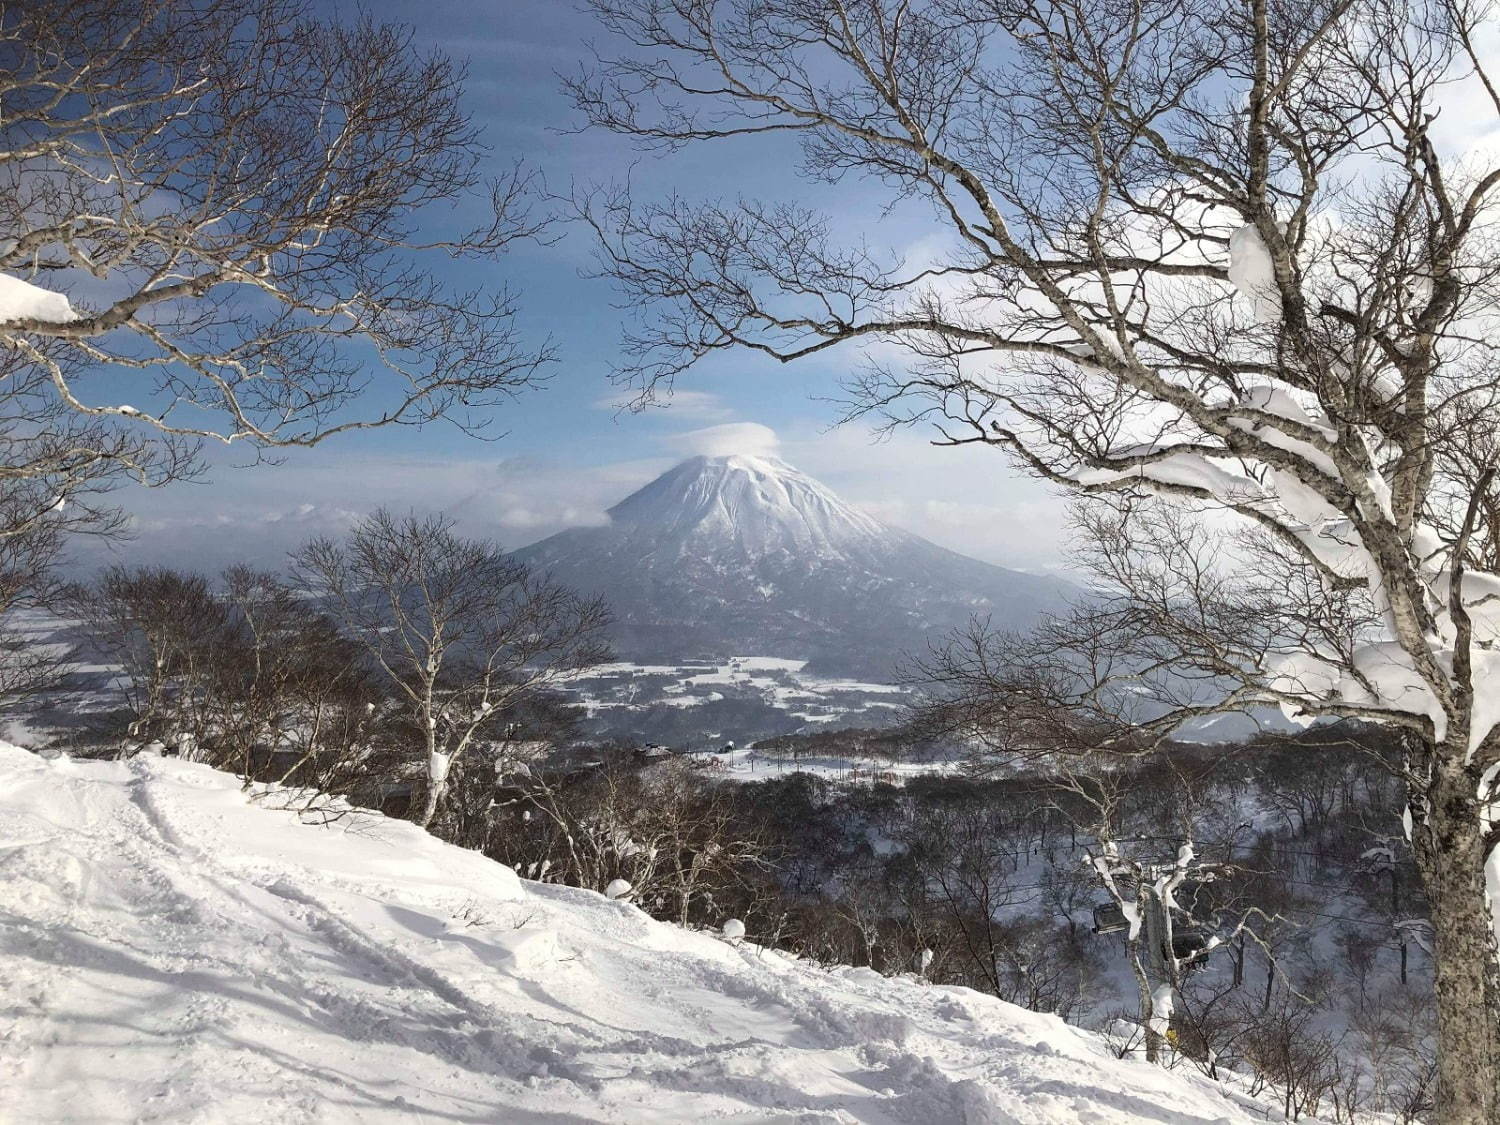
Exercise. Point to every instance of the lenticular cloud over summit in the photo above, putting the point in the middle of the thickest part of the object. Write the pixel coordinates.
(750, 439)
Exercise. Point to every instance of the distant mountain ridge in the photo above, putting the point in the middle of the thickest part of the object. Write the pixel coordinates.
(746, 555)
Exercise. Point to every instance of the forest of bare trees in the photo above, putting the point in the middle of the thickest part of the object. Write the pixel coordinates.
(996, 878)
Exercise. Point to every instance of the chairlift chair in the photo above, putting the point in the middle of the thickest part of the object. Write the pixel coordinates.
(1188, 946)
(1109, 918)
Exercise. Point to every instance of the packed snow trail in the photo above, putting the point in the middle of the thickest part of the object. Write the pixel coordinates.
(171, 950)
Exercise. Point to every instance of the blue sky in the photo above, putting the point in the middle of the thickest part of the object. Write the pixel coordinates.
(567, 453)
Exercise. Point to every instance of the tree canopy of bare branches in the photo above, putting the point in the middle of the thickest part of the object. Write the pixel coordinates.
(230, 195)
(1223, 252)
(459, 629)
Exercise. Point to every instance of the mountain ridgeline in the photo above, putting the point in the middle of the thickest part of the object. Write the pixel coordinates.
(743, 555)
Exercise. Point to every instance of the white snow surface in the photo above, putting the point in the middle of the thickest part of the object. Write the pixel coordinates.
(21, 300)
(173, 950)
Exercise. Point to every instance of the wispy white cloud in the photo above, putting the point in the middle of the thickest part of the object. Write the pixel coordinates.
(704, 406)
(970, 499)
(258, 515)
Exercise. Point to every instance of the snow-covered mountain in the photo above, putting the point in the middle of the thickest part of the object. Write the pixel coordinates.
(176, 949)
(740, 554)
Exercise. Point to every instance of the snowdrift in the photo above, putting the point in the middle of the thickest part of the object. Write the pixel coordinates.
(172, 951)
(21, 300)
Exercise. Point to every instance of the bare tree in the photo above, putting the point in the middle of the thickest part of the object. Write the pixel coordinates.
(663, 827)
(1299, 1062)
(222, 210)
(246, 676)
(282, 680)
(26, 582)
(1212, 250)
(1167, 931)
(695, 843)
(460, 629)
(168, 633)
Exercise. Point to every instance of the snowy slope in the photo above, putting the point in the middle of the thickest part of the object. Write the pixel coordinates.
(171, 951)
(739, 554)
(755, 505)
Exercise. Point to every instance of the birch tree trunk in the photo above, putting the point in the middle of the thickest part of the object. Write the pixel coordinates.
(435, 793)
(1448, 840)
(437, 786)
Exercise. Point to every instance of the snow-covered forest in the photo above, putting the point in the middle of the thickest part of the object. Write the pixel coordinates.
(661, 788)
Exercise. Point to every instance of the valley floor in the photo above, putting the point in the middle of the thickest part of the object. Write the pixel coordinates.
(171, 950)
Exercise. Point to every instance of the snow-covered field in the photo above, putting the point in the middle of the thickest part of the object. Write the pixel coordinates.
(621, 693)
(171, 950)
(753, 764)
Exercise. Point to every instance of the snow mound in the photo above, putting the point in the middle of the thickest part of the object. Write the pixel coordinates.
(1253, 273)
(21, 300)
(173, 950)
